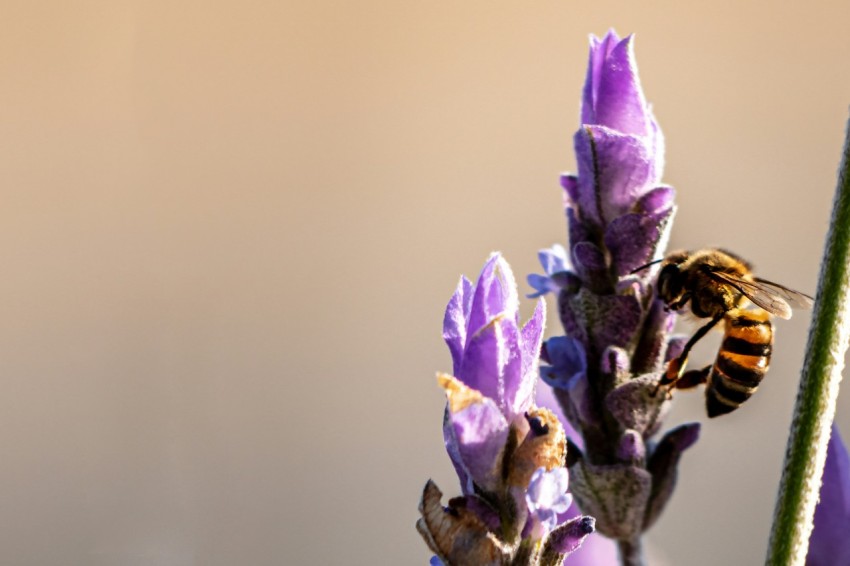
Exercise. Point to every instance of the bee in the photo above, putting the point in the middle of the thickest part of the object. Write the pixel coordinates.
(718, 285)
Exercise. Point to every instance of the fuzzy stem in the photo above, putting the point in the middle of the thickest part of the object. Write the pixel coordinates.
(631, 552)
(815, 407)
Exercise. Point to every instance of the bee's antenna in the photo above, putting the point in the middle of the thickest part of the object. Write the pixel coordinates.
(644, 266)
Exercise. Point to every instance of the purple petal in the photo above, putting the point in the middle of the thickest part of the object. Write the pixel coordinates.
(519, 393)
(663, 465)
(542, 285)
(830, 541)
(577, 230)
(492, 363)
(478, 430)
(569, 182)
(554, 259)
(495, 294)
(435, 561)
(453, 450)
(656, 201)
(599, 52)
(455, 319)
(620, 104)
(621, 168)
(566, 356)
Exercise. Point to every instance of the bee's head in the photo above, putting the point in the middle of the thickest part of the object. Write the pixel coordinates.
(671, 281)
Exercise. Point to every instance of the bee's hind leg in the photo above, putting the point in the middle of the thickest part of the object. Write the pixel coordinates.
(676, 366)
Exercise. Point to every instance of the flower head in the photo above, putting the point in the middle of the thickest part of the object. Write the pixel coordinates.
(617, 334)
(508, 453)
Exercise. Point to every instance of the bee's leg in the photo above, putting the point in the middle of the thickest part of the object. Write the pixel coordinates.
(676, 367)
(693, 378)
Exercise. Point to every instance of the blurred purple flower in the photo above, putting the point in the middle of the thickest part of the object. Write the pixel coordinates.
(546, 498)
(557, 269)
(830, 541)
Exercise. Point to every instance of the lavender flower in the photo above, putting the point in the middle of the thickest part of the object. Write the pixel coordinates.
(508, 453)
(617, 334)
(830, 540)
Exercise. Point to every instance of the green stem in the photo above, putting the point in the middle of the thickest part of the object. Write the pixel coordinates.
(815, 407)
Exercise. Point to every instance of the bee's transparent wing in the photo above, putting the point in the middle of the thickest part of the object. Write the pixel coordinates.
(794, 298)
(772, 297)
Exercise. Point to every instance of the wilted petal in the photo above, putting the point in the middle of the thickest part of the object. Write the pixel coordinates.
(455, 533)
(479, 431)
(455, 320)
(663, 465)
(545, 446)
(830, 542)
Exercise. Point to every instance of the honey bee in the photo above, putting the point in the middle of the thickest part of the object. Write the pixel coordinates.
(718, 285)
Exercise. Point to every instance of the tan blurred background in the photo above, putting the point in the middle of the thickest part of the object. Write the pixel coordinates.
(228, 231)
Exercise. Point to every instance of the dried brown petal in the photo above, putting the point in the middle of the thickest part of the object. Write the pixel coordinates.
(545, 446)
(455, 534)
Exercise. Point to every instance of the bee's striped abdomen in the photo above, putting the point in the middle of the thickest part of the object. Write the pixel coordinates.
(742, 361)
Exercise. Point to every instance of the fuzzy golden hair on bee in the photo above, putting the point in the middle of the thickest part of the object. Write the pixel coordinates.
(719, 285)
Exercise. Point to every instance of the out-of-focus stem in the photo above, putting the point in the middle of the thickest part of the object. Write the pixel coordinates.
(815, 406)
(631, 552)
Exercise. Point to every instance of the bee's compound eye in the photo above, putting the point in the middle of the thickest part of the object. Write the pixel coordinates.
(669, 287)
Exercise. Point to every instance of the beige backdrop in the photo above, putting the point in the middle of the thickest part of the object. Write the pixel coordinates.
(228, 231)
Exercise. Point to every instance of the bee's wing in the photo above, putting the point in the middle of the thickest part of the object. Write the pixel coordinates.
(772, 297)
(794, 298)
